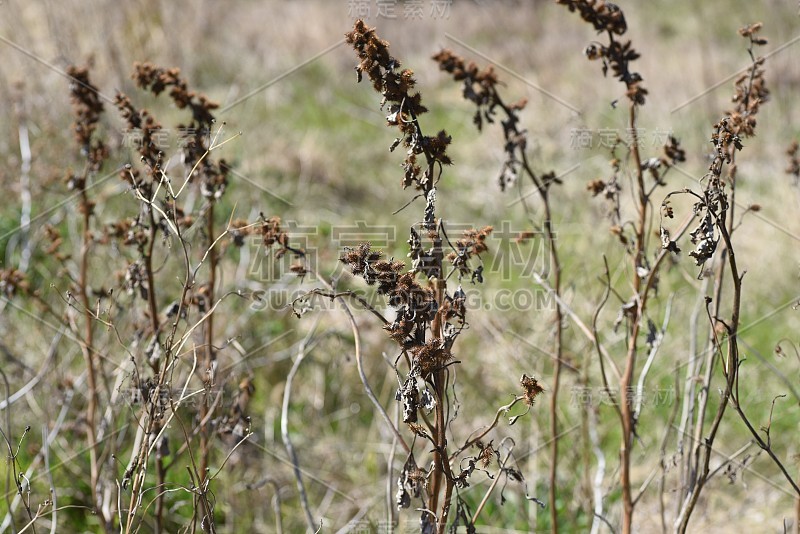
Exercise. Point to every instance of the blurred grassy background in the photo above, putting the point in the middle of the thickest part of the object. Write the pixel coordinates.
(314, 150)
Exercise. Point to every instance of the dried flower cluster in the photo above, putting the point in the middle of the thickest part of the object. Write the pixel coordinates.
(148, 129)
(750, 88)
(415, 306)
(750, 93)
(616, 55)
(604, 16)
(480, 88)
(472, 243)
(157, 79)
(479, 85)
(531, 387)
(272, 234)
(13, 281)
(793, 152)
(196, 135)
(87, 107)
(404, 108)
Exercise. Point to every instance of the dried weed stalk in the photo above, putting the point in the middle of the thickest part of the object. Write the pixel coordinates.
(644, 176)
(480, 86)
(713, 242)
(149, 344)
(427, 318)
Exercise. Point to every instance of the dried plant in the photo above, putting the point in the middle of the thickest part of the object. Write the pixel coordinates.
(616, 55)
(480, 86)
(633, 235)
(427, 318)
(87, 109)
(154, 325)
(713, 240)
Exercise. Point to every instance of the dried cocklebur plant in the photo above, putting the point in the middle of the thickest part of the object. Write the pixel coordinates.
(88, 108)
(427, 318)
(137, 342)
(713, 242)
(161, 214)
(480, 86)
(643, 176)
